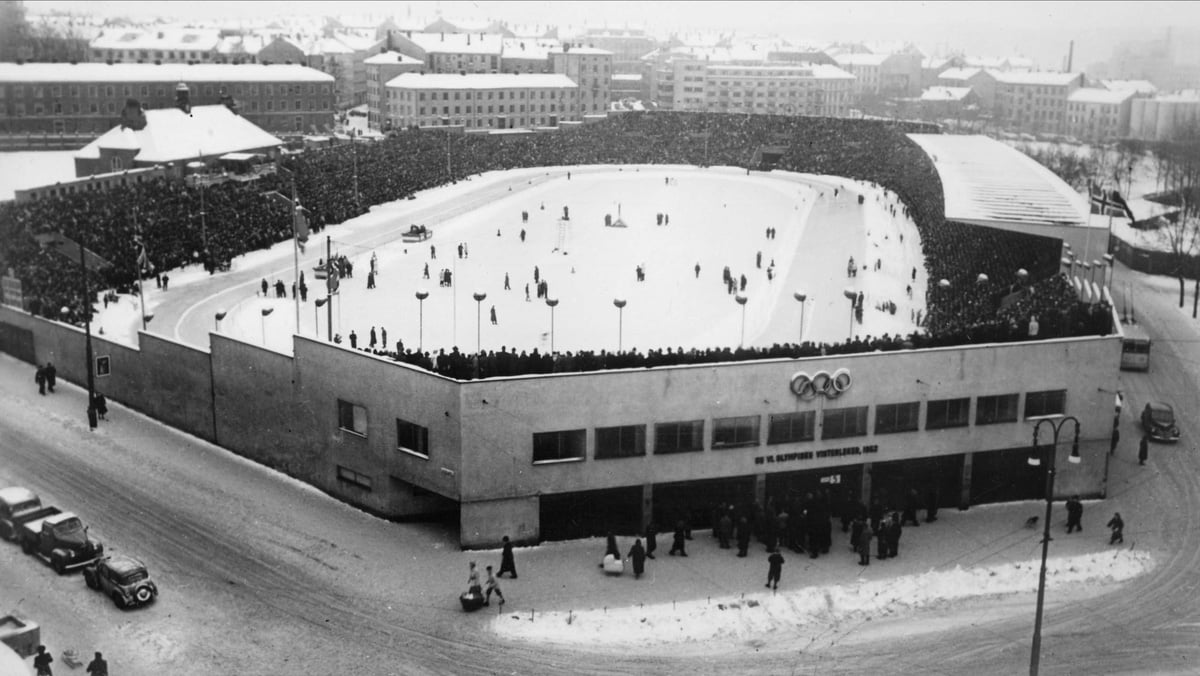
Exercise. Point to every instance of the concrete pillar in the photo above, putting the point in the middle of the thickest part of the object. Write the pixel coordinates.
(760, 489)
(647, 505)
(964, 496)
(865, 496)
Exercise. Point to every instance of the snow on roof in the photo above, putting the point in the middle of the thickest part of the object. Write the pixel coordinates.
(481, 81)
(986, 181)
(1036, 78)
(188, 39)
(1137, 86)
(333, 46)
(357, 41)
(392, 58)
(241, 44)
(580, 49)
(1144, 209)
(935, 62)
(150, 72)
(458, 43)
(960, 73)
(529, 48)
(627, 77)
(1104, 96)
(945, 93)
(171, 135)
(861, 59)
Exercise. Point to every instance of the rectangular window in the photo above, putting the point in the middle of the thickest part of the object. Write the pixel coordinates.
(946, 413)
(620, 442)
(352, 417)
(559, 446)
(412, 438)
(837, 423)
(1050, 402)
(731, 432)
(892, 418)
(787, 428)
(679, 437)
(1000, 408)
(349, 476)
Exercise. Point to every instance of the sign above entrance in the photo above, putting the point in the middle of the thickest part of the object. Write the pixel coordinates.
(821, 383)
(813, 455)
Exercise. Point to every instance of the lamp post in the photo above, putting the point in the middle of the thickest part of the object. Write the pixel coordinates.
(479, 296)
(620, 303)
(741, 300)
(422, 294)
(981, 279)
(217, 320)
(853, 298)
(1110, 269)
(551, 302)
(265, 311)
(1057, 422)
(801, 298)
(318, 303)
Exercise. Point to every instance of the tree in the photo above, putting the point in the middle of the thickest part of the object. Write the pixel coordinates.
(14, 31)
(1182, 237)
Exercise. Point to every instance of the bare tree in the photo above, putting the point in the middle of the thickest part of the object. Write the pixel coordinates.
(1182, 237)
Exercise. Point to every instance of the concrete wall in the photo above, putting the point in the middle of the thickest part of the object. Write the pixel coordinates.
(484, 523)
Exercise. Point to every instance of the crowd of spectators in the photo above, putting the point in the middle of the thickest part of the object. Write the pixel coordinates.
(338, 183)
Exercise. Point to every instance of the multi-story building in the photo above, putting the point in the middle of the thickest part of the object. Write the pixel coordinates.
(627, 45)
(527, 55)
(776, 89)
(481, 101)
(896, 74)
(156, 45)
(591, 69)
(1165, 118)
(381, 68)
(450, 52)
(1099, 114)
(1034, 102)
(89, 97)
(978, 80)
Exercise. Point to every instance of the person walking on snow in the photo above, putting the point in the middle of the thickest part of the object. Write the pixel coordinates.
(39, 377)
(637, 556)
(774, 569)
(1143, 449)
(677, 543)
(493, 313)
(1118, 527)
(1074, 515)
(507, 563)
(42, 661)
(492, 587)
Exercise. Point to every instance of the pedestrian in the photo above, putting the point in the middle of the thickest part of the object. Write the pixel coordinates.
(40, 378)
(774, 570)
(493, 587)
(864, 546)
(460, 250)
(677, 543)
(911, 502)
(1118, 529)
(426, 271)
(265, 286)
(353, 340)
(892, 532)
(41, 662)
(536, 275)
(432, 252)
(100, 404)
(303, 292)
(1074, 515)
(697, 271)
(507, 563)
(371, 279)
(374, 263)
(758, 260)
(526, 292)
(651, 539)
(1143, 448)
(743, 537)
(637, 556)
(914, 274)
(51, 376)
(724, 530)
(522, 235)
(931, 505)
(610, 549)
(374, 342)
(493, 313)
(98, 667)
(881, 546)
(166, 280)
(383, 338)
(506, 285)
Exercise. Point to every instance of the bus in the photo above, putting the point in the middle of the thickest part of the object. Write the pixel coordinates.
(1135, 348)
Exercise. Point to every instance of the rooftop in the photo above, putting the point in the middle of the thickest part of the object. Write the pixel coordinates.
(188, 39)
(392, 58)
(171, 135)
(149, 72)
(959, 73)
(481, 81)
(861, 59)
(458, 43)
(945, 93)
(1089, 95)
(1044, 78)
(989, 183)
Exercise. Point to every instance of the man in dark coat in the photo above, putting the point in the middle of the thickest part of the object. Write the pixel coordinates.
(651, 539)
(51, 376)
(507, 563)
(1117, 524)
(863, 545)
(856, 528)
(931, 505)
(911, 502)
(41, 662)
(891, 533)
(881, 546)
(637, 556)
(743, 536)
(677, 543)
(1074, 515)
(876, 514)
(98, 666)
(774, 569)
(1143, 448)
(724, 529)
(40, 378)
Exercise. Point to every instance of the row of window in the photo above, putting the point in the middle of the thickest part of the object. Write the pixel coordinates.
(128, 90)
(410, 437)
(101, 55)
(459, 110)
(407, 95)
(110, 108)
(785, 428)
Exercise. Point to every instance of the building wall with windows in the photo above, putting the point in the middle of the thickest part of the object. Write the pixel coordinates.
(381, 68)
(1099, 114)
(89, 97)
(1034, 102)
(590, 69)
(500, 101)
(776, 89)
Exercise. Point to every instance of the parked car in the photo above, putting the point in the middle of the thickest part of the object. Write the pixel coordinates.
(60, 540)
(16, 506)
(1158, 419)
(124, 579)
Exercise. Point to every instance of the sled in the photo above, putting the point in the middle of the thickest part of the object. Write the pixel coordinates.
(612, 565)
(471, 601)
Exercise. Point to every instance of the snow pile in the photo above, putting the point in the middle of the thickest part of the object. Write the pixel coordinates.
(753, 615)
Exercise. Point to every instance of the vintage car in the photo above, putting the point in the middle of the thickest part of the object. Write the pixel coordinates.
(60, 540)
(16, 506)
(122, 578)
(1158, 419)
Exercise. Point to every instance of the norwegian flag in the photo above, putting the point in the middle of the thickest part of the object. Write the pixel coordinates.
(1108, 202)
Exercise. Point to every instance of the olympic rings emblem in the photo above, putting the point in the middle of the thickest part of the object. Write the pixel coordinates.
(821, 383)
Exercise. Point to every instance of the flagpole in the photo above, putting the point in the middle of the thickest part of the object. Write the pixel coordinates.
(295, 254)
(140, 269)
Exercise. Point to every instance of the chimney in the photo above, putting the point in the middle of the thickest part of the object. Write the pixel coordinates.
(1070, 56)
(183, 98)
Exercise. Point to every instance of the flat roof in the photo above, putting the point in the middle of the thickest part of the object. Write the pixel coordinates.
(986, 181)
(1038, 78)
(150, 72)
(1089, 95)
(458, 43)
(481, 81)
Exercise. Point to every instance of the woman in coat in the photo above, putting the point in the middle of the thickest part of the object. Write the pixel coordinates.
(637, 556)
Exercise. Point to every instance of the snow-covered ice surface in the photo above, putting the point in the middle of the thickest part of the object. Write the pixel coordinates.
(32, 169)
(811, 609)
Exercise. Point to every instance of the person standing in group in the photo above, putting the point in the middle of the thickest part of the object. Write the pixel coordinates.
(743, 537)
(637, 556)
(51, 376)
(677, 543)
(39, 377)
(1117, 524)
(1143, 448)
(774, 569)
(374, 338)
(863, 543)
(492, 587)
(725, 529)
(651, 539)
(371, 279)
(507, 563)
(1074, 515)
(353, 340)
(98, 666)
(42, 661)
(891, 533)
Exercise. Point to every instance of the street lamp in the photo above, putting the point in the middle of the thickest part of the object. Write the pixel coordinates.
(265, 311)
(1108, 273)
(479, 297)
(741, 300)
(551, 302)
(853, 297)
(318, 303)
(217, 320)
(422, 294)
(800, 297)
(1057, 422)
(981, 279)
(620, 303)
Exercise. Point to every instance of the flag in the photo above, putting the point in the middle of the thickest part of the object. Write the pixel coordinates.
(1108, 202)
(1122, 206)
(144, 264)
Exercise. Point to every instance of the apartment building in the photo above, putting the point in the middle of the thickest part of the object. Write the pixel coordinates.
(156, 44)
(381, 69)
(481, 101)
(591, 69)
(1099, 114)
(776, 89)
(1034, 102)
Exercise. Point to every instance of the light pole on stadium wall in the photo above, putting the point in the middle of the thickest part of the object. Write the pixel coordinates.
(852, 297)
(479, 297)
(801, 298)
(551, 302)
(1057, 422)
(421, 294)
(620, 303)
(741, 300)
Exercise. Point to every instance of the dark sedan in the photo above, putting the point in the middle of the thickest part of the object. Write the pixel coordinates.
(1158, 419)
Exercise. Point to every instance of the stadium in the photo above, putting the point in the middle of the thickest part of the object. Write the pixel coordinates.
(756, 405)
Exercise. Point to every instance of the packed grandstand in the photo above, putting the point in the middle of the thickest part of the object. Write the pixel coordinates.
(985, 300)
